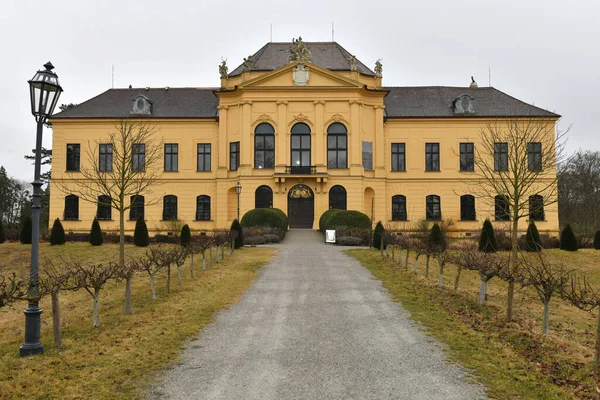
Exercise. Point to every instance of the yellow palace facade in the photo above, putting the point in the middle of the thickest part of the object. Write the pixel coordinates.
(302, 127)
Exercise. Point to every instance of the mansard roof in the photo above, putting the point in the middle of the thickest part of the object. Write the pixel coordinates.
(328, 55)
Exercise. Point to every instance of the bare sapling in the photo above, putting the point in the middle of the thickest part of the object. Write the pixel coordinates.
(180, 254)
(92, 278)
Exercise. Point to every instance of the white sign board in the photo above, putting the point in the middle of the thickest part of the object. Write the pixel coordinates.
(329, 236)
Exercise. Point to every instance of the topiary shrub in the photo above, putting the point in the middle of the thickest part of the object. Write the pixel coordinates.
(284, 218)
(324, 217)
(185, 236)
(140, 234)
(348, 218)
(349, 241)
(57, 234)
(254, 240)
(96, 238)
(378, 235)
(271, 217)
(596, 240)
(239, 239)
(26, 227)
(533, 242)
(568, 241)
(2, 234)
(436, 241)
(487, 239)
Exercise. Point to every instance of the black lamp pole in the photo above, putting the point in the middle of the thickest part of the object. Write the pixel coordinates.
(44, 93)
(238, 190)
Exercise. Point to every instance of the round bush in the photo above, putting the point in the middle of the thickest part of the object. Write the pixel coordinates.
(324, 217)
(271, 217)
(284, 217)
(354, 219)
(57, 234)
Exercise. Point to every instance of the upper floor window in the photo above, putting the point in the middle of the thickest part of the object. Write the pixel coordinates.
(399, 208)
(105, 158)
(138, 161)
(337, 197)
(467, 157)
(398, 157)
(433, 209)
(534, 156)
(169, 208)
(432, 156)
(337, 146)
(501, 208)
(536, 208)
(300, 147)
(501, 156)
(467, 207)
(263, 197)
(136, 210)
(367, 155)
(203, 157)
(71, 207)
(73, 151)
(203, 208)
(104, 208)
(264, 146)
(234, 156)
(171, 157)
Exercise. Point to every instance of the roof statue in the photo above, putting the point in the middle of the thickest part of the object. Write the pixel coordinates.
(353, 62)
(247, 64)
(378, 68)
(299, 51)
(223, 68)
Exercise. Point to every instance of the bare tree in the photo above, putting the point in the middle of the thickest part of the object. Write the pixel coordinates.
(180, 254)
(151, 263)
(200, 244)
(127, 167)
(420, 248)
(517, 158)
(92, 278)
(12, 287)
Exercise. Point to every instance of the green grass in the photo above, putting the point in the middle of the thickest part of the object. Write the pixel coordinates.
(511, 360)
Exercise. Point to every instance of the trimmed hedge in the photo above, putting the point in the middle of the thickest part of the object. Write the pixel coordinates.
(596, 240)
(239, 238)
(26, 228)
(487, 238)
(324, 218)
(271, 217)
(57, 235)
(533, 242)
(347, 218)
(96, 238)
(437, 241)
(2, 234)
(185, 236)
(378, 235)
(568, 241)
(140, 234)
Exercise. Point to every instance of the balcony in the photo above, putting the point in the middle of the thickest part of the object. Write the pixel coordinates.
(300, 169)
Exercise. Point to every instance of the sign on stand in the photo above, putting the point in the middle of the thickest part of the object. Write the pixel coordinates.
(330, 236)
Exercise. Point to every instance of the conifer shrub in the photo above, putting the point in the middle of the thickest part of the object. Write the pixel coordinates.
(57, 234)
(349, 219)
(436, 241)
(239, 239)
(140, 234)
(533, 242)
(487, 239)
(26, 227)
(325, 216)
(568, 241)
(185, 236)
(2, 233)
(271, 217)
(596, 240)
(96, 238)
(378, 235)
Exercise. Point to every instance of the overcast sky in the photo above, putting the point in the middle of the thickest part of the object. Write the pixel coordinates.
(544, 52)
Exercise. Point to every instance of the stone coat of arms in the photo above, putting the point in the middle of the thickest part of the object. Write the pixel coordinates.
(300, 75)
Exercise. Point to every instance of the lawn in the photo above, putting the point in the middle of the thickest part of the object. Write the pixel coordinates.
(121, 358)
(513, 360)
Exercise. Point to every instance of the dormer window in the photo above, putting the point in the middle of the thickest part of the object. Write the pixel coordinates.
(464, 105)
(141, 105)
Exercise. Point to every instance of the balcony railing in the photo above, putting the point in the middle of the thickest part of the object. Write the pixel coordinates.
(300, 169)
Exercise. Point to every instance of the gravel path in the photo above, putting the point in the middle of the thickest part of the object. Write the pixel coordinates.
(314, 325)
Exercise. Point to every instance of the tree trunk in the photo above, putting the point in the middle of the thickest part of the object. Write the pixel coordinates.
(152, 290)
(203, 260)
(128, 281)
(381, 247)
(399, 256)
(192, 267)
(512, 267)
(416, 264)
(168, 278)
(210, 257)
(393, 252)
(96, 308)
(427, 258)
(545, 325)
(406, 260)
(509, 301)
(217, 255)
(122, 256)
(179, 275)
(222, 252)
(56, 319)
(229, 249)
(482, 289)
(597, 352)
(387, 250)
(441, 282)
(457, 280)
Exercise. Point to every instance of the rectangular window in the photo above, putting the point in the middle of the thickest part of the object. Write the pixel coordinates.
(73, 151)
(398, 157)
(234, 156)
(104, 208)
(501, 156)
(138, 161)
(432, 156)
(367, 155)
(71, 208)
(467, 157)
(534, 156)
(171, 157)
(137, 207)
(105, 158)
(203, 157)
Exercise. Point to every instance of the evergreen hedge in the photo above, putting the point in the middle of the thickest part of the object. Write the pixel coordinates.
(239, 239)
(271, 217)
(348, 218)
(437, 241)
(2, 234)
(378, 235)
(26, 227)
(57, 234)
(185, 236)
(533, 242)
(487, 239)
(96, 238)
(140, 234)
(596, 240)
(324, 217)
(568, 241)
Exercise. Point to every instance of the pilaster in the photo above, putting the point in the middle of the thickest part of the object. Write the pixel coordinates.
(246, 142)
(355, 156)
(319, 134)
(282, 143)
(379, 142)
(221, 150)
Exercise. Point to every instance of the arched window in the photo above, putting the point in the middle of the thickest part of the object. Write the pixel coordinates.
(264, 146)
(433, 209)
(104, 208)
(169, 208)
(300, 149)
(71, 207)
(501, 208)
(399, 208)
(203, 208)
(337, 146)
(467, 208)
(137, 207)
(337, 197)
(263, 197)
(536, 208)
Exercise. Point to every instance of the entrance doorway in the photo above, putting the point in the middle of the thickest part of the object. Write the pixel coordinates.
(301, 207)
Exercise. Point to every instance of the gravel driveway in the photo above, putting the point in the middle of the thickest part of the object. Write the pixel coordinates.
(314, 325)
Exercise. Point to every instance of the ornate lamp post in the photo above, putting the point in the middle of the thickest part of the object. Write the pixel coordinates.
(44, 92)
(238, 190)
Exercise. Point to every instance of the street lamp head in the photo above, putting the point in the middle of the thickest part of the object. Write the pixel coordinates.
(238, 188)
(44, 91)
